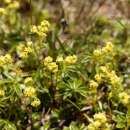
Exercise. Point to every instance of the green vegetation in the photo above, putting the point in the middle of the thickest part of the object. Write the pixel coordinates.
(55, 78)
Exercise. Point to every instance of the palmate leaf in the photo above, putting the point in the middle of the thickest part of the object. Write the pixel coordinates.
(73, 88)
(3, 103)
(120, 121)
(5, 124)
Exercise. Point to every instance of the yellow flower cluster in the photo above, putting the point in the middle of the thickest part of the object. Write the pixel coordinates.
(7, 1)
(2, 92)
(93, 84)
(5, 60)
(29, 92)
(111, 75)
(100, 117)
(124, 98)
(29, 43)
(10, 4)
(41, 29)
(98, 78)
(104, 69)
(28, 81)
(13, 5)
(36, 102)
(71, 59)
(8, 59)
(59, 59)
(48, 60)
(99, 122)
(108, 48)
(2, 11)
(53, 67)
(97, 52)
(50, 65)
(101, 53)
(24, 51)
(114, 79)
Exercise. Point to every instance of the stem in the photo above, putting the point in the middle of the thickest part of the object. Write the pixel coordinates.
(52, 90)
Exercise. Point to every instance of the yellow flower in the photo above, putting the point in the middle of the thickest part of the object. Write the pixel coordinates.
(93, 84)
(100, 117)
(91, 127)
(97, 53)
(52, 67)
(45, 23)
(108, 47)
(8, 58)
(44, 27)
(104, 69)
(110, 95)
(109, 44)
(2, 61)
(5, 60)
(26, 52)
(7, 1)
(29, 43)
(14, 5)
(48, 60)
(41, 29)
(97, 124)
(108, 126)
(36, 102)
(71, 59)
(30, 92)
(124, 98)
(114, 79)
(98, 78)
(2, 11)
(59, 59)
(28, 80)
(34, 29)
(42, 34)
(2, 93)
